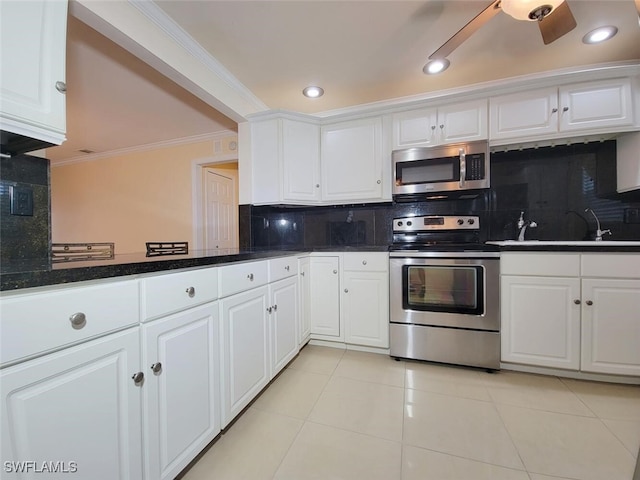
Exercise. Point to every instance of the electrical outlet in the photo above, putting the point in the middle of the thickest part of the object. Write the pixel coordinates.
(632, 215)
(21, 200)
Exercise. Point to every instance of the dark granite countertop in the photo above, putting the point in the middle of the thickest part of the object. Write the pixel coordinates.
(37, 273)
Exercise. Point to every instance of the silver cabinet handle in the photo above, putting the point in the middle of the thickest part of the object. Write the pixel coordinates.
(250, 277)
(156, 368)
(364, 262)
(317, 185)
(346, 290)
(191, 292)
(335, 271)
(287, 268)
(138, 378)
(433, 127)
(442, 127)
(302, 273)
(554, 110)
(78, 320)
(275, 308)
(61, 87)
(269, 309)
(577, 301)
(589, 302)
(565, 109)
(379, 182)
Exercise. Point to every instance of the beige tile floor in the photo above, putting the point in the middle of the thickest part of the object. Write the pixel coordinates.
(335, 414)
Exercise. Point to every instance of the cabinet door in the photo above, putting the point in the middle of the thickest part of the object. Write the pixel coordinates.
(181, 362)
(301, 161)
(524, 114)
(284, 319)
(78, 405)
(611, 326)
(415, 128)
(325, 298)
(33, 44)
(365, 307)
(304, 329)
(352, 160)
(541, 321)
(462, 122)
(265, 161)
(596, 105)
(246, 349)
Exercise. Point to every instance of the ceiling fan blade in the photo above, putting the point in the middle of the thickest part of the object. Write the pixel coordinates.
(465, 32)
(557, 23)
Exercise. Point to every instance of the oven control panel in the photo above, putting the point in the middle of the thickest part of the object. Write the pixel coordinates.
(436, 222)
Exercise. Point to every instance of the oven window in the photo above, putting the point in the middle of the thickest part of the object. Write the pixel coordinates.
(454, 289)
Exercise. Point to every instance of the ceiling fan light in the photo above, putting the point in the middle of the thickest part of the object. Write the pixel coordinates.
(436, 66)
(524, 9)
(600, 34)
(313, 92)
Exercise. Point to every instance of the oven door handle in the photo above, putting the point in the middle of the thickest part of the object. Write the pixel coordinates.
(463, 167)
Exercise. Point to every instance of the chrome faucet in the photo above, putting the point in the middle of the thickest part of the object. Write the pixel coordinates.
(599, 232)
(522, 226)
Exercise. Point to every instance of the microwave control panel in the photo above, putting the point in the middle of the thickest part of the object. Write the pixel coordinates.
(475, 167)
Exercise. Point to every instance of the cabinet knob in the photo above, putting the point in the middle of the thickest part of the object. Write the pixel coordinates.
(61, 87)
(302, 273)
(589, 302)
(317, 185)
(78, 320)
(442, 127)
(335, 271)
(364, 262)
(191, 292)
(250, 277)
(433, 127)
(269, 309)
(346, 290)
(554, 110)
(565, 109)
(156, 368)
(275, 307)
(287, 268)
(138, 378)
(577, 301)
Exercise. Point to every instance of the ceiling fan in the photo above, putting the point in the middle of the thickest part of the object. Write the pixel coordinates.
(554, 18)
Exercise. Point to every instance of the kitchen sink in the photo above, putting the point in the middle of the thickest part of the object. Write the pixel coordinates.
(570, 243)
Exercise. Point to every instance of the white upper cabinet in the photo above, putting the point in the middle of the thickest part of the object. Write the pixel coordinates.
(285, 161)
(33, 47)
(351, 160)
(458, 122)
(589, 107)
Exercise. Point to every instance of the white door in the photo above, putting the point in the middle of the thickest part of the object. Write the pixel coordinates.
(540, 321)
(325, 298)
(300, 161)
(416, 128)
(365, 305)
(284, 319)
(611, 326)
(462, 122)
(77, 405)
(182, 390)
(220, 210)
(304, 329)
(246, 349)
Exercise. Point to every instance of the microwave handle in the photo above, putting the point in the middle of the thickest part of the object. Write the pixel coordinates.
(463, 167)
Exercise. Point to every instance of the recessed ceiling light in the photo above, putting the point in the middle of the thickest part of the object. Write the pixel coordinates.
(600, 34)
(436, 66)
(313, 92)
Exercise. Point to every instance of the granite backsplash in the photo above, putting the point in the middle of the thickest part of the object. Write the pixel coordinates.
(552, 185)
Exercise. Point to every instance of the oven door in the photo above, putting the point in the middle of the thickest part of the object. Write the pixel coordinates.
(447, 292)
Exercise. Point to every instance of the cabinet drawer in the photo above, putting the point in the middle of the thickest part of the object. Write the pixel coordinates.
(172, 292)
(33, 323)
(611, 265)
(545, 264)
(284, 267)
(242, 276)
(366, 262)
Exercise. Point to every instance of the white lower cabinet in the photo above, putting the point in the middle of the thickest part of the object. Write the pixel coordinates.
(245, 326)
(304, 300)
(181, 363)
(572, 311)
(283, 322)
(77, 409)
(324, 302)
(365, 299)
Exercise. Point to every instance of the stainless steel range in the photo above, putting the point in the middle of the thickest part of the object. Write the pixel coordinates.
(444, 292)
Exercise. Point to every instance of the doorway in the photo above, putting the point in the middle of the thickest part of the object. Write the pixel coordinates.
(220, 206)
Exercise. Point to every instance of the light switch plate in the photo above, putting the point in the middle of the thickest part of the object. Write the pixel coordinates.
(21, 200)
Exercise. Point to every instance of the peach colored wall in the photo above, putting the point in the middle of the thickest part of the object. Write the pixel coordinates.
(127, 199)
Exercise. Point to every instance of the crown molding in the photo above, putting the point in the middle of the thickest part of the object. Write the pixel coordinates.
(144, 148)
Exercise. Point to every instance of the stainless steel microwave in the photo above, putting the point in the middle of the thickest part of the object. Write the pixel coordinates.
(448, 168)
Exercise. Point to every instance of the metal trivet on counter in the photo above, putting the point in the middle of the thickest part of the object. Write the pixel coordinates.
(155, 249)
(76, 252)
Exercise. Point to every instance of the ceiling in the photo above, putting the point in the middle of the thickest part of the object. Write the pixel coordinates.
(359, 51)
